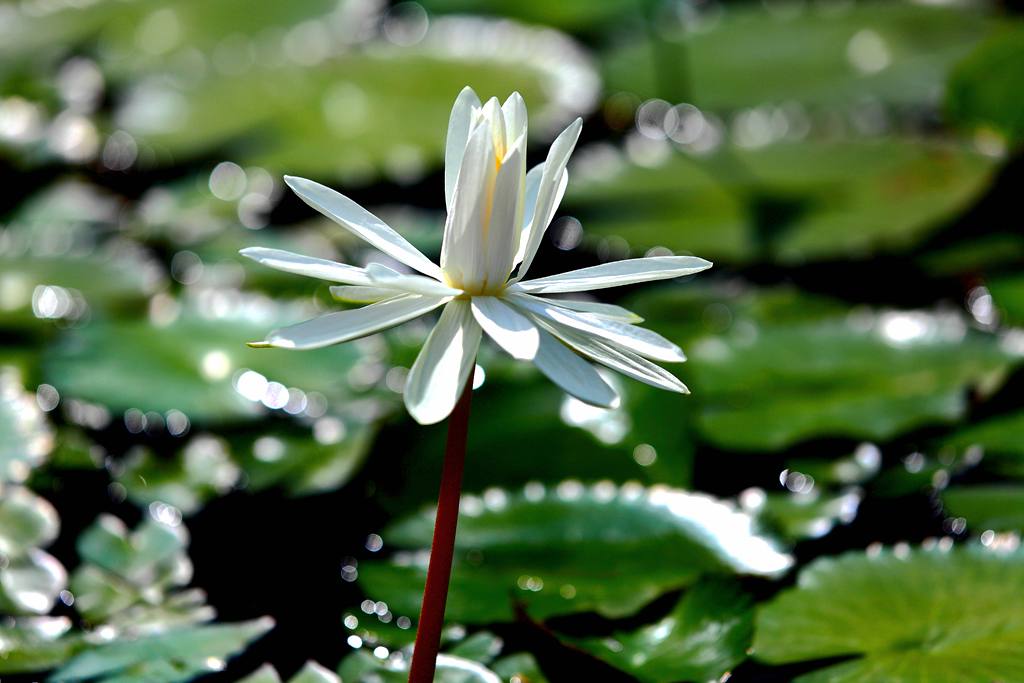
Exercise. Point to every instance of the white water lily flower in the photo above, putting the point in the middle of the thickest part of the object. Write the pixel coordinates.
(497, 215)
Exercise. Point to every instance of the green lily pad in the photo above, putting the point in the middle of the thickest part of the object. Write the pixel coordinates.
(345, 113)
(35, 644)
(552, 550)
(201, 471)
(362, 667)
(26, 520)
(582, 442)
(169, 657)
(198, 365)
(904, 615)
(895, 52)
(42, 288)
(264, 674)
(762, 383)
(30, 582)
(312, 672)
(787, 202)
(706, 635)
(122, 569)
(521, 666)
(1008, 293)
(978, 253)
(799, 516)
(26, 438)
(577, 15)
(999, 507)
(999, 439)
(983, 89)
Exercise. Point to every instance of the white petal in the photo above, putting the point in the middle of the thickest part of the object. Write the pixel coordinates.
(514, 111)
(306, 265)
(597, 309)
(621, 360)
(439, 375)
(552, 187)
(496, 120)
(462, 253)
(509, 328)
(637, 339)
(502, 230)
(455, 143)
(343, 326)
(574, 375)
(362, 295)
(364, 224)
(382, 276)
(616, 274)
(532, 187)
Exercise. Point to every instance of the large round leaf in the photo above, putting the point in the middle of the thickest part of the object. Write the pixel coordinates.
(706, 635)
(922, 615)
(168, 657)
(999, 507)
(198, 364)
(26, 438)
(35, 644)
(572, 548)
(763, 380)
(893, 51)
(788, 201)
(984, 89)
(26, 520)
(347, 113)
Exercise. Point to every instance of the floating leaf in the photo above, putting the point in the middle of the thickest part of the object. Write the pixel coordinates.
(798, 516)
(955, 616)
(202, 470)
(1008, 293)
(124, 575)
(983, 89)
(1000, 439)
(552, 550)
(999, 507)
(521, 666)
(362, 667)
(706, 635)
(341, 112)
(30, 579)
(304, 463)
(202, 367)
(582, 442)
(893, 52)
(26, 520)
(788, 201)
(35, 644)
(30, 582)
(169, 657)
(312, 672)
(264, 674)
(764, 383)
(25, 436)
(568, 14)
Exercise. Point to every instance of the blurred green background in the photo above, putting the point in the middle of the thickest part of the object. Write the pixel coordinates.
(840, 499)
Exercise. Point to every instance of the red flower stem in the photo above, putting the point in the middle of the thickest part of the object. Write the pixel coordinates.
(439, 571)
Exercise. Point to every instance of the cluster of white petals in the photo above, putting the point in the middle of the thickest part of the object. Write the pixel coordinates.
(497, 216)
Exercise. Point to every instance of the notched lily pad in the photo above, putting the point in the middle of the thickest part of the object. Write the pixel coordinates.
(553, 551)
(26, 438)
(173, 656)
(706, 635)
(196, 364)
(903, 615)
